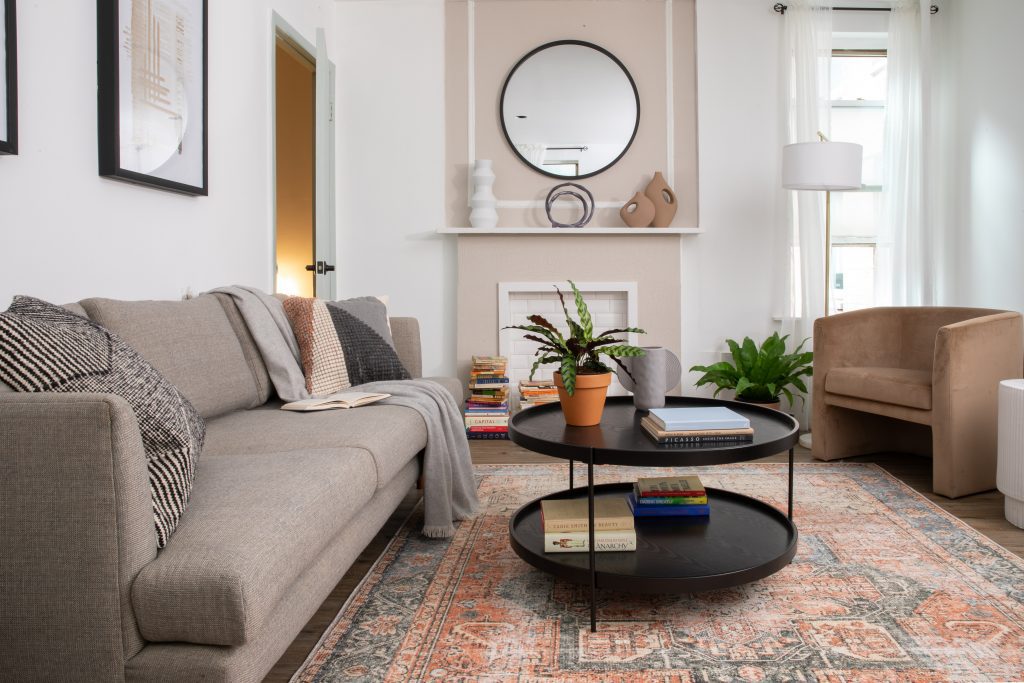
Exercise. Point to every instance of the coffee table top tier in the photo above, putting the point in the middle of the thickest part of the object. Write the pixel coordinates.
(620, 440)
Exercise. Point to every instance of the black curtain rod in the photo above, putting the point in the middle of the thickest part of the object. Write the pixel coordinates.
(781, 9)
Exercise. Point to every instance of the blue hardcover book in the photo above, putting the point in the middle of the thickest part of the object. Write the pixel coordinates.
(688, 419)
(667, 510)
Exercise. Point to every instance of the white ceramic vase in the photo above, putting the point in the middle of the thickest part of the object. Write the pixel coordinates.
(483, 203)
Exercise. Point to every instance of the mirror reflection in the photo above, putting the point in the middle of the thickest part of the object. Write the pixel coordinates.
(570, 109)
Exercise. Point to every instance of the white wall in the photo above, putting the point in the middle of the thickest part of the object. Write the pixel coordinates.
(982, 40)
(390, 148)
(66, 233)
(391, 160)
(729, 271)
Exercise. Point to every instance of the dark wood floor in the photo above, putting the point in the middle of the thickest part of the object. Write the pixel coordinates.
(983, 512)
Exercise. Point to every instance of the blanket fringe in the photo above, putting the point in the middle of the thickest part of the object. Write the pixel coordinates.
(438, 531)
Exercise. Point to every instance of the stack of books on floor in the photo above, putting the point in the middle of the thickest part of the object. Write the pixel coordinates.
(487, 406)
(536, 393)
(669, 497)
(712, 426)
(567, 529)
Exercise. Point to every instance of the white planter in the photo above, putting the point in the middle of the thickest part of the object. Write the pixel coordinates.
(484, 204)
(1010, 468)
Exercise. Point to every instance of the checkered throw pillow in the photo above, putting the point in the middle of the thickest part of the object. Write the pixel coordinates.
(47, 348)
(343, 343)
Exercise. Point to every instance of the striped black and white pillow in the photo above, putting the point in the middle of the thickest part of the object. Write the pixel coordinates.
(47, 348)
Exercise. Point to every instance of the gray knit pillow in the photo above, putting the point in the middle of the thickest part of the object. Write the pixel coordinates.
(47, 348)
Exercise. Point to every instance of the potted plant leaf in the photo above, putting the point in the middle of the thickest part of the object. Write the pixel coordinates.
(760, 374)
(582, 378)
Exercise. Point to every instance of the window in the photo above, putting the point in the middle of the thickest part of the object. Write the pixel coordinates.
(858, 115)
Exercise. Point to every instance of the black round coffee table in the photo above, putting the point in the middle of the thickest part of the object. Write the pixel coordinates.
(743, 540)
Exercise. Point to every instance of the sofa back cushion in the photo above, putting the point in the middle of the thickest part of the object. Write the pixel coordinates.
(191, 343)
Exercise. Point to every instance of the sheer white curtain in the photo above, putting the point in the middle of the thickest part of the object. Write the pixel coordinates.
(532, 152)
(904, 260)
(806, 105)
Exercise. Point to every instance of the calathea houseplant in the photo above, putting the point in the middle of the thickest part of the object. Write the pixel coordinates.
(582, 378)
(760, 374)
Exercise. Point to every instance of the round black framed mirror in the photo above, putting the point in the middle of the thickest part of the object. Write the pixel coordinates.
(569, 109)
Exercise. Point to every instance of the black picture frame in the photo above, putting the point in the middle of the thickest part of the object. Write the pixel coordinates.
(9, 141)
(556, 43)
(182, 174)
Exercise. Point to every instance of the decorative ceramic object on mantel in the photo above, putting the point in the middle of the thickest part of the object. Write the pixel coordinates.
(664, 200)
(638, 212)
(484, 204)
(560, 191)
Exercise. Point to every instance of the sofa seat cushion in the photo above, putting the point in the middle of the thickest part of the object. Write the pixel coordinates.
(254, 524)
(896, 386)
(392, 435)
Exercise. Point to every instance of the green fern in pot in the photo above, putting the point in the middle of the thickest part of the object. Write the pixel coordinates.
(760, 374)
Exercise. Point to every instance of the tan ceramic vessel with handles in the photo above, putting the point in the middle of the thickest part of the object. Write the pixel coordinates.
(642, 215)
(664, 199)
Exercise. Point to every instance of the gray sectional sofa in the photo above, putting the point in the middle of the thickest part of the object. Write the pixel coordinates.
(282, 505)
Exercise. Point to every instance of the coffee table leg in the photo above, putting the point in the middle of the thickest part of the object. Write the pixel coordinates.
(571, 463)
(791, 484)
(593, 549)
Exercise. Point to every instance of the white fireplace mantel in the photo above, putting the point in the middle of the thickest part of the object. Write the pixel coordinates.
(569, 232)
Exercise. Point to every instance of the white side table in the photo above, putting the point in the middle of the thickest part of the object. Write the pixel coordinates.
(1010, 470)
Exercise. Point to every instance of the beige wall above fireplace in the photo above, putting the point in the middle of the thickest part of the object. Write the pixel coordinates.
(655, 41)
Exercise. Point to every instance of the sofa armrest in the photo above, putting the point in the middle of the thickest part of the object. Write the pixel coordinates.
(76, 526)
(971, 358)
(406, 333)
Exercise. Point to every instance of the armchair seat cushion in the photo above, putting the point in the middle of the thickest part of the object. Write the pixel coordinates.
(896, 386)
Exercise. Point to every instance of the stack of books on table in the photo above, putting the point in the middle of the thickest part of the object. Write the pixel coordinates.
(536, 393)
(669, 497)
(487, 406)
(711, 426)
(567, 528)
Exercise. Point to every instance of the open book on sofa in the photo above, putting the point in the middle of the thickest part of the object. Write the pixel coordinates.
(346, 399)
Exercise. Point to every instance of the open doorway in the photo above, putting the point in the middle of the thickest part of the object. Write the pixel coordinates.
(295, 172)
(304, 224)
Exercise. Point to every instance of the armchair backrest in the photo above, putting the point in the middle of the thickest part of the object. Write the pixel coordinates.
(919, 326)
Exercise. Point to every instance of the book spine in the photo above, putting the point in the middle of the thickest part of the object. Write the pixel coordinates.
(673, 500)
(580, 542)
(748, 438)
(562, 526)
(497, 421)
(488, 429)
(487, 435)
(672, 511)
(672, 494)
(698, 426)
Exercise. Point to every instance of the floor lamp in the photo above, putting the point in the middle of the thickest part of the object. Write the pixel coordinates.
(823, 166)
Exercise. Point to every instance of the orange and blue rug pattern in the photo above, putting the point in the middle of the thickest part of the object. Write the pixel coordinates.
(884, 587)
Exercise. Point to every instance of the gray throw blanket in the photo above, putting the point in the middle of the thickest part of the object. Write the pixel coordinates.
(449, 491)
(265, 317)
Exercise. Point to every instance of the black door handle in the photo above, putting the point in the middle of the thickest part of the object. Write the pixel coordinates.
(321, 267)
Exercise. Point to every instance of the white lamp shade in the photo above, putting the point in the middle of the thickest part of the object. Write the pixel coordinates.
(822, 166)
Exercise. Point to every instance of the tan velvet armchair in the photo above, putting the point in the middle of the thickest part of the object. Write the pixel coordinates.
(919, 380)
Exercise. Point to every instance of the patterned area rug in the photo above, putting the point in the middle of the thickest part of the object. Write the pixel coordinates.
(885, 587)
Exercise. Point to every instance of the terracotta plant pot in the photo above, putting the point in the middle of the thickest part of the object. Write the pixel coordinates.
(585, 407)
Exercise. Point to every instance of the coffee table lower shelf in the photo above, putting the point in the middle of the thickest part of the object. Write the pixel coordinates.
(743, 540)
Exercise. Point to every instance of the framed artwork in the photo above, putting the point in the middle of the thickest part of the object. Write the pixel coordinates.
(152, 58)
(8, 78)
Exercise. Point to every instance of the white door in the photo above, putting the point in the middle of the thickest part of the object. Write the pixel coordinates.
(325, 188)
